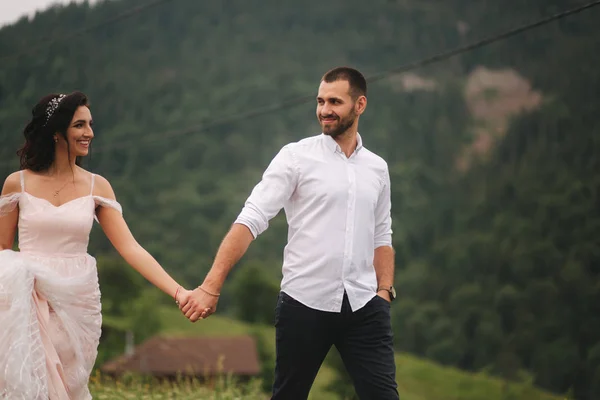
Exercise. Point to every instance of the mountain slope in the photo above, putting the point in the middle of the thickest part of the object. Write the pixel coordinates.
(497, 262)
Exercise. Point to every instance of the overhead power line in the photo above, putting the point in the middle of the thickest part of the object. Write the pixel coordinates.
(292, 102)
(481, 43)
(45, 43)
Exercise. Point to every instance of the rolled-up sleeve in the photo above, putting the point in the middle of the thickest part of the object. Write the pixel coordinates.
(270, 195)
(383, 214)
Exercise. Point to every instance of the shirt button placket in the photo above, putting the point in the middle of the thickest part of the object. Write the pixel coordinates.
(351, 203)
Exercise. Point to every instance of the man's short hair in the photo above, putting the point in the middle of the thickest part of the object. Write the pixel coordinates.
(358, 83)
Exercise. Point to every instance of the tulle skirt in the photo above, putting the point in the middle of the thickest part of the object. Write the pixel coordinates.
(50, 325)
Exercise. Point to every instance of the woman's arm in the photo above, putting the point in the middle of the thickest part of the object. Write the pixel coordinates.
(120, 236)
(8, 220)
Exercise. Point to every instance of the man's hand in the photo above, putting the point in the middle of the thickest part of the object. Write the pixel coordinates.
(183, 297)
(384, 294)
(199, 305)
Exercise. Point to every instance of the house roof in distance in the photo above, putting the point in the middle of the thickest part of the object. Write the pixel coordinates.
(189, 356)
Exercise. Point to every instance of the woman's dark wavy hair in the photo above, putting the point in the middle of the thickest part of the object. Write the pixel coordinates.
(38, 152)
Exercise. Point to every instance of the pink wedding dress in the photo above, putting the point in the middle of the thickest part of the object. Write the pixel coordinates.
(50, 312)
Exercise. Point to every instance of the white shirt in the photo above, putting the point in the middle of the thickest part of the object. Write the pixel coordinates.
(338, 211)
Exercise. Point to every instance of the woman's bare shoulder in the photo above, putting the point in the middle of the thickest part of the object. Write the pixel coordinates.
(103, 188)
(12, 184)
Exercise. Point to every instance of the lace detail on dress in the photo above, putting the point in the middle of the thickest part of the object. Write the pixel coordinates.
(8, 203)
(22, 365)
(63, 318)
(104, 202)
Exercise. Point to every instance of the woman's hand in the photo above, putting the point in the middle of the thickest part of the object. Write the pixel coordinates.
(183, 297)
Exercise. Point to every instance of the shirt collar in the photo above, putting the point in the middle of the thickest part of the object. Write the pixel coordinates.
(333, 146)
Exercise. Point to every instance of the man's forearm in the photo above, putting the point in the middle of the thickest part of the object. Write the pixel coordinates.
(383, 262)
(234, 246)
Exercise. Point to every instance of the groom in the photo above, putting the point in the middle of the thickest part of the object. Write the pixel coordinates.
(338, 267)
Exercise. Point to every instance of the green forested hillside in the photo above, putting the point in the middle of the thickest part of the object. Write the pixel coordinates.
(493, 154)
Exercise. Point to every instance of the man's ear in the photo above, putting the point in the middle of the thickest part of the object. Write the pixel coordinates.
(360, 105)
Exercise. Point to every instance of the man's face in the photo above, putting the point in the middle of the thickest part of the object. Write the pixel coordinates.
(335, 107)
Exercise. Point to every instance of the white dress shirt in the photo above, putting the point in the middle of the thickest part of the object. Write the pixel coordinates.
(338, 211)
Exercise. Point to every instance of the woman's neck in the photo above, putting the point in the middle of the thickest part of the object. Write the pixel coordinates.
(62, 166)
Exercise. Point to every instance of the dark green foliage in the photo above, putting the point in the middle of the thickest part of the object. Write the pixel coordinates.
(497, 266)
(254, 294)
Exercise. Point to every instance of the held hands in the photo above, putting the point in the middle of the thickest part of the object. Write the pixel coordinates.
(197, 304)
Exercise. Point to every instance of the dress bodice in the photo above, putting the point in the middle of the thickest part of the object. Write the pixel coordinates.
(48, 229)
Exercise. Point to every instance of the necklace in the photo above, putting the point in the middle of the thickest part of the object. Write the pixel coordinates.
(58, 191)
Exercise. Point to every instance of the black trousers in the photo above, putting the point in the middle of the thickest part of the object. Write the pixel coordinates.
(363, 338)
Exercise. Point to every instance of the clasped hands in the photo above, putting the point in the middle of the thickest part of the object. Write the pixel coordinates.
(197, 304)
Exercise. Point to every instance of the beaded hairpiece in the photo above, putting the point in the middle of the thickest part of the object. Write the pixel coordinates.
(52, 106)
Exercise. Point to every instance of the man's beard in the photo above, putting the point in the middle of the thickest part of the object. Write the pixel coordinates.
(343, 125)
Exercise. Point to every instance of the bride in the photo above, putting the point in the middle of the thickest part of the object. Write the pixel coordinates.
(50, 310)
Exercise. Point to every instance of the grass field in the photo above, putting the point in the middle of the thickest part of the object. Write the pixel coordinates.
(139, 389)
(417, 379)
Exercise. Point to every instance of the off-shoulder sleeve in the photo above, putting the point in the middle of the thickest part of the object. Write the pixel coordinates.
(8, 203)
(104, 202)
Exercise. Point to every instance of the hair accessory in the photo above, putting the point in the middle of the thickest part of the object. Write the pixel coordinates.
(52, 106)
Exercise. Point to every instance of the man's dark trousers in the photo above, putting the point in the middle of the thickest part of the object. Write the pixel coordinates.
(363, 338)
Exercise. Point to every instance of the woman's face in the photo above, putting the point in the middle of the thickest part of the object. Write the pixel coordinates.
(79, 133)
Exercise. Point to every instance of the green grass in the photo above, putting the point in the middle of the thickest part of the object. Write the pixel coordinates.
(141, 389)
(418, 379)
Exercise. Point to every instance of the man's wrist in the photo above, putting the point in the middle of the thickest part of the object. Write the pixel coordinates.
(209, 291)
(212, 285)
(390, 289)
